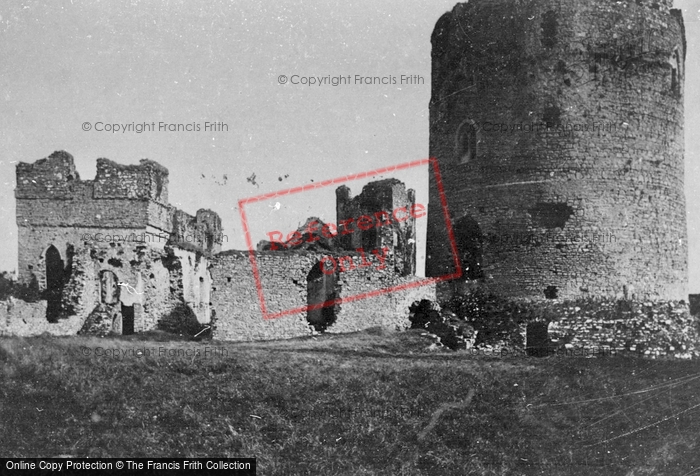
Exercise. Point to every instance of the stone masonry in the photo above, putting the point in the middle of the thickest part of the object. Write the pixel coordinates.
(110, 255)
(558, 130)
(110, 251)
(288, 279)
(558, 127)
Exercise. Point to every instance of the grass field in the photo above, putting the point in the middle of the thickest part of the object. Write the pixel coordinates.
(348, 405)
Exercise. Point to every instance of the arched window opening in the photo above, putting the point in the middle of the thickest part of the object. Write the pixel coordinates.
(109, 287)
(466, 141)
(675, 64)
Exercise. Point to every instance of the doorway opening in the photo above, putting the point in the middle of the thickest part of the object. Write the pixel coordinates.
(537, 339)
(54, 283)
(127, 320)
(320, 296)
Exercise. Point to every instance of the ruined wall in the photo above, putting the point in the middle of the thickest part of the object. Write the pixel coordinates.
(104, 250)
(33, 241)
(52, 177)
(202, 231)
(22, 318)
(19, 318)
(131, 265)
(236, 313)
(558, 128)
(81, 292)
(147, 180)
(382, 201)
(389, 310)
(155, 282)
(196, 283)
(152, 282)
(50, 193)
(649, 329)
(208, 230)
(124, 203)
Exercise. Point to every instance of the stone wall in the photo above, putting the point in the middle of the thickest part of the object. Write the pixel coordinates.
(33, 241)
(650, 329)
(579, 327)
(147, 180)
(53, 177)
(558, 128)
(389, 309)
(236, 311)
(195, 283)
(155, 282)
(152, 282)
(201, 231)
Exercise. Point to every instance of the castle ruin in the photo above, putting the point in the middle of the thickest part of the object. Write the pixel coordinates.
(558, 132)
(110, 255)
(111, 251)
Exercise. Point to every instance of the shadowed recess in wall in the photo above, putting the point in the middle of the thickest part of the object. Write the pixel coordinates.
(320, 288)
(551, 292)
(551, 215)
(180, 320)
(470, 242)
(537, 339)
(26, 292)
(54, 283)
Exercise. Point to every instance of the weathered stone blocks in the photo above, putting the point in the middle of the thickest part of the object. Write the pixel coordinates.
(563, 122)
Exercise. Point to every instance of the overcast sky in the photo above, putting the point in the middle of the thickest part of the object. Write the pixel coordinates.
(186, 62)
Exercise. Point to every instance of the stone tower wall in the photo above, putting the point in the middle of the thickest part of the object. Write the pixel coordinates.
(558, 127)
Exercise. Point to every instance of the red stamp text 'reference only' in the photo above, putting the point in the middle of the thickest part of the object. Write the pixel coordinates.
(413, 284)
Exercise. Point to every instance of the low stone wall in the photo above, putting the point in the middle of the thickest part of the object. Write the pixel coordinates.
(652, 328)
(581, 327)
(236, 308)
(20, 318)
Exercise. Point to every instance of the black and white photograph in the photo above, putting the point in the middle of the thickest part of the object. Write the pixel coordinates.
(350, 238)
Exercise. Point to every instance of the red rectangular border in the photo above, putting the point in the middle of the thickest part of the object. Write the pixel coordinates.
(448, 224)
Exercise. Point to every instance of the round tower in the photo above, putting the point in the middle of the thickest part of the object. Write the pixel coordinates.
(558, 129)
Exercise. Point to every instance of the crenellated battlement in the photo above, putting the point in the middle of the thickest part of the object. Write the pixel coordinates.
(147, 180)
(55, 177)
